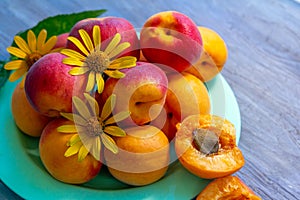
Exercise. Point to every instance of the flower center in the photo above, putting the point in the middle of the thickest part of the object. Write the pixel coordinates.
(94, 127)
(97, 61)
(32, 58)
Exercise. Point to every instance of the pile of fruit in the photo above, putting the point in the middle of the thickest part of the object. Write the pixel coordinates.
(105, 94)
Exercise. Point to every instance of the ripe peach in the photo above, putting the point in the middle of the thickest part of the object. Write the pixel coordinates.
(28, 120)
(142, 91)
(143, 156)
(61, 41)
(213, 57)
(52, 147)
(49, 87)
(109, 26)
(171, 38)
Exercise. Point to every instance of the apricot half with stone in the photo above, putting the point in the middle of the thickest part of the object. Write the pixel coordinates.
(206, 146)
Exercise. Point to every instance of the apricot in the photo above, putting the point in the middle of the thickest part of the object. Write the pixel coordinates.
(229, 188)
(215, 154)
(27, 119)
(186, 96)
(53, 145)
(143, 156)
(213, 56)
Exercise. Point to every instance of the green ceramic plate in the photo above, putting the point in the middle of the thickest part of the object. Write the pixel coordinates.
(22, 171)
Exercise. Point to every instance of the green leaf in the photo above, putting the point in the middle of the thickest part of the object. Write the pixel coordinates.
(61, 23)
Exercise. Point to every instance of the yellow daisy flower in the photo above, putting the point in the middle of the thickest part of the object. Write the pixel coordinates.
(28, 53)
(93, 128)
(94, 61)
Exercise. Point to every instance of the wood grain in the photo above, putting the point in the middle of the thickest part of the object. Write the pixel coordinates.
(263, 69)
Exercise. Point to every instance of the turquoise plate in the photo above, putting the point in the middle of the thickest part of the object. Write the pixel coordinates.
(22, 171)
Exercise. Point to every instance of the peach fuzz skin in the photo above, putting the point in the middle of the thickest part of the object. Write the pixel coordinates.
(52, 146)
(50, 88)
(172, 39)
(61, 40)
(109, 26)
(142, 91)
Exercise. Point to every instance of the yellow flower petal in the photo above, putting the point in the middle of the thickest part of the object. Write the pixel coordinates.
(93, 104)
(97, 37)
(78, 120)
(109, 143)
(96, 148)
(113, 43)
(72, 61)
(117, 117)
(72, 150)
(108, 106)
(68, 116)
(16, 52)
(83, 152)
(123, 62)
(100, 82)
(15, 64)
(119, 49)
(31, 39)
(17, 74)
(41, 39)
(73, 140)
(73, 54)
(22, 44)
(86, 39)
(81, 107)
(114, 73)
(48, 46)
(78, 70)
(69, 128)
(78, 44)
(115, 131)
(91, 82)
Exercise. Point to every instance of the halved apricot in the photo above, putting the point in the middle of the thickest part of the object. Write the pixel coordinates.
(206, 146)
(229, 188)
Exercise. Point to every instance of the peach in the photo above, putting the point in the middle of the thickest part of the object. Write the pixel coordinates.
(27, 119)
(53, 145)
(142, 91)
(49, 87)
(61, 41)
(171, 38)
(109, 26)
(143, 156)
(213, 57)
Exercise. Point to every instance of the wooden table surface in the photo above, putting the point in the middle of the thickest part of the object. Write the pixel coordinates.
(263, 69)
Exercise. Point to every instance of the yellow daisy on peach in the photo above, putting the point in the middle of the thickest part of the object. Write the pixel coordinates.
(94, 61)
